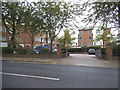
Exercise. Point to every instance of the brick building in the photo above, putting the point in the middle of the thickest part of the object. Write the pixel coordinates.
(22, 39)
(85, 37)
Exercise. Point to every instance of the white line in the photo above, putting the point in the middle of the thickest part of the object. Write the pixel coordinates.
(23, 75)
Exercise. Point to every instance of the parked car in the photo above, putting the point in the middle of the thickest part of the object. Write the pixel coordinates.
(38, 49)
(91, 51)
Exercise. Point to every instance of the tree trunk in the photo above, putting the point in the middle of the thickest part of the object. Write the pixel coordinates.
(51, 44)
(103, 43)
(13, 45)
(46, 38)
(32, 41)
(13, 41)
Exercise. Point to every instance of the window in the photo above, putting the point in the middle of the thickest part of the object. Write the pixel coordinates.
(2, 29)
(80, 32)
(2, 38)
(3, 44)
(80, 38)
(90, 43)
(90, 38)
(37, 38)
(90, 31)
(80, 44)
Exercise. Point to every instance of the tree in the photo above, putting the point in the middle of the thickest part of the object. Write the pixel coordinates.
(103, 13)
(11, 19)
(32, 23)
(55, 15)
(106, 37)
(67, 40)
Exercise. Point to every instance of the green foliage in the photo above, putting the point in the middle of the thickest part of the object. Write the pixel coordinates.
(102, 51)
(12, 18)
(21, 50)
(44, 51)
(104, 13)
(116, 50)
(67, 40)
(7, 50)
(113, 43)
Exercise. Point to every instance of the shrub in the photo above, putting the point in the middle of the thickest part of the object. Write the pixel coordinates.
(74, 50)
(102, 51)
(21, 50)
(116, 50)
(7, 50)
(44, 50)
(31, 51)
(63, 50)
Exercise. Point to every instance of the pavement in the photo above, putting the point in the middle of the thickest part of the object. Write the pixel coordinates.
(73, 59)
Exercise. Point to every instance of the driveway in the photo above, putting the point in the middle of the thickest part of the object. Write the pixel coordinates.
(87, 60)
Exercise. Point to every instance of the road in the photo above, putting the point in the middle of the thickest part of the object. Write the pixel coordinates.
(31, 75)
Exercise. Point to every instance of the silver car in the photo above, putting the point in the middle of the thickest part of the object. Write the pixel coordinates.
(91, 51)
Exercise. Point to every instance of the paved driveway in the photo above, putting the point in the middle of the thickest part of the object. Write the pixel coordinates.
(87, 60)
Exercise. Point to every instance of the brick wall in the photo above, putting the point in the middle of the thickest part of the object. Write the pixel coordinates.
(85, 38)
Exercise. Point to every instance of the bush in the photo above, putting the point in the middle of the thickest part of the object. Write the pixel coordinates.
(75, 50)
(44, 50)
(63, 50)
(116, 50)
(21, 50)
(102, 51)
(7, 50)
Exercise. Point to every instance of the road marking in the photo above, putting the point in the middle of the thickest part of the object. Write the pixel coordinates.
(31, 76)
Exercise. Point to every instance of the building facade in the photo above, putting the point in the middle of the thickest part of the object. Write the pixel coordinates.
(23, 39)
(85, 37)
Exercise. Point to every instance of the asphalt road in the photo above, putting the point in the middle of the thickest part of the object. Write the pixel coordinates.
(31, 75)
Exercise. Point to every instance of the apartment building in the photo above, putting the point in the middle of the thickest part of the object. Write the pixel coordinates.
(85, 37)
(22, 39)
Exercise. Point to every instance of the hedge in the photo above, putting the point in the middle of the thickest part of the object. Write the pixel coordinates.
(116, 50)
(7, 50)
(21, 50)
(75, 50)
(44, 50)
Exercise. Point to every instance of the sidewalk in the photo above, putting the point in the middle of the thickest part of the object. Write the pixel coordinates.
(73, 59)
